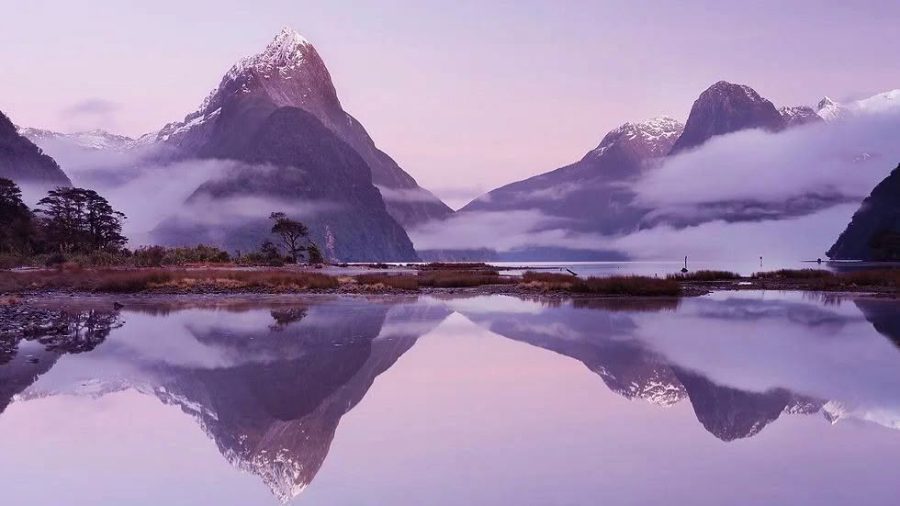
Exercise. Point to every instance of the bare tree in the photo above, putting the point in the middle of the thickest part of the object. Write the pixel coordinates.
(292, 233)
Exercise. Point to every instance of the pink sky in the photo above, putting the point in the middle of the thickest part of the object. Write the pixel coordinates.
(465, 95)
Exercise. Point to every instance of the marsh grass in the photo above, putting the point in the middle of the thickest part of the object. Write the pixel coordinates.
(794, 274)
(627, 285)
(138, 280)
(817, 279)
(397, 282)
(462, 278)
(705, 275)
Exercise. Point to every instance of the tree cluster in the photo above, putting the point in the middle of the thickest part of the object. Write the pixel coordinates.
(67, 220)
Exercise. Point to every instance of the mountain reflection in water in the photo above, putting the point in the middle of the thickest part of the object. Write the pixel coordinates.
(269, 381)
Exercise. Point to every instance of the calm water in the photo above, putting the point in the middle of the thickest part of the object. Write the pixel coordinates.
(734, 398)
(744, 267)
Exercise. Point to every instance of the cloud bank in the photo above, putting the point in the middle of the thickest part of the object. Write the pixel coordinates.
(781, 195)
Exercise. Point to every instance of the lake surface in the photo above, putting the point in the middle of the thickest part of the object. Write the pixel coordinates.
(745, 267)
(742, 398)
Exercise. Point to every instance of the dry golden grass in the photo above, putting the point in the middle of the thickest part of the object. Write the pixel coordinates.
(462, 279)
(794, 274)
(397, 282)
(814, 279)
(138, 280)
(705, 276)
(627, 285)
(548, 277)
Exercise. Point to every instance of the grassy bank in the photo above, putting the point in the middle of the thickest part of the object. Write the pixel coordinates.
(430, 278)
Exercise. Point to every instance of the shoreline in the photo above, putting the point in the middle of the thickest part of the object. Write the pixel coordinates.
(426, 279)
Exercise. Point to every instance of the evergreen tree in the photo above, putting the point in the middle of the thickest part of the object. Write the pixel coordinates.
(80, 220)
(17, 233)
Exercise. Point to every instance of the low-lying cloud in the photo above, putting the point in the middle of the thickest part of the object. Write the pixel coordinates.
(847, 158)
(786, 195)
(150, 188)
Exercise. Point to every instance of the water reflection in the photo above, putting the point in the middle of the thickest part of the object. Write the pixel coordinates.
(269, 381)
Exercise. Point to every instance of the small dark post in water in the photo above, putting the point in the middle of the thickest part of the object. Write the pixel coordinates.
(819, 261)
(684, 269)
(760, 261)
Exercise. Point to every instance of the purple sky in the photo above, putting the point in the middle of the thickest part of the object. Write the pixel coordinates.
(466, 95)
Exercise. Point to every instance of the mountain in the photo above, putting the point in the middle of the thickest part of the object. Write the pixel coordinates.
(798, 115)
(89, 140)
(874, 230)
(725, 108)
(278, 115)
(25, 163)
(293, 163)
(290, 73)
(591, 194)
(830, 110)
(572, 191)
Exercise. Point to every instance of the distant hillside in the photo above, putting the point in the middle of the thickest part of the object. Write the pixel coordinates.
(874, 230)
(23, 162)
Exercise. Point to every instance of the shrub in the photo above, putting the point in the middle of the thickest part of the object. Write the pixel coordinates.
(11, 260)
(156, 256)
(398, 282)
(705, 276)
(627, 285)
(149, 256)
(461, 279)
(548, 277)
(794, 274)
(136, 280)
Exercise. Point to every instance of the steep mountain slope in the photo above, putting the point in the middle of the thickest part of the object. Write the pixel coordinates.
(590, 195)
(724, 108)
(23, 162)
(290, 73)
(292, 163)
(277, 112)
(874, 230)
(590, 191)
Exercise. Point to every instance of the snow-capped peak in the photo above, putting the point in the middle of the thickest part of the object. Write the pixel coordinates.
(96, 139)
(286, 51)
(656, 135)
(880, 102)
(828, 109)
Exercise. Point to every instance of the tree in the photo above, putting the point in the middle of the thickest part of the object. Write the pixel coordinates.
(16, 220)
(292, 234)
(269, 253)
(77, 219)
(314, 254)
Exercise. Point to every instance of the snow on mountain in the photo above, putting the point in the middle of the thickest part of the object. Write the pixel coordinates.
(289, 72)
(655, 136)
(285, 53)
(798, 115)
(878, 103)
(92, 139)
(831, 110)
